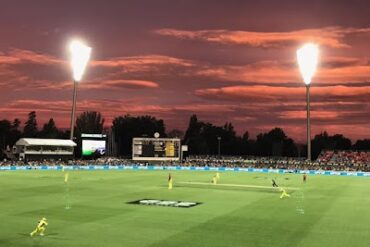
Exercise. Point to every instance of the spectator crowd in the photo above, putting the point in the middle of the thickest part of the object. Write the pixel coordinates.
(327, 160)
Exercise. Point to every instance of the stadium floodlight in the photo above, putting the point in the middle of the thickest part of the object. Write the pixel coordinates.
(80, 55)
(307, 58)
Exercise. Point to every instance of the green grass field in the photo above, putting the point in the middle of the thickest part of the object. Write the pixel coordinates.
(336, 210)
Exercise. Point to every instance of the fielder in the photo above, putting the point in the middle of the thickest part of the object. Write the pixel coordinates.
(284, 193)
(170, 181)
(214, 180)
(40, 228)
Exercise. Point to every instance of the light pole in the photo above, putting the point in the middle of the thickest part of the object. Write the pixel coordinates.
(219, 146)
(307, 58)
(80, 55)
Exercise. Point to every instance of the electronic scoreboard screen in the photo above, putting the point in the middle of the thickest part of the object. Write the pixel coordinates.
(156, 149)
(93, 145)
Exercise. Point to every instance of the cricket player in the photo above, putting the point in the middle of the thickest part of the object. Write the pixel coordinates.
(304, 178)
(40, 228)
(274, 184)
(284, 193)
(217, 175)
(170, 181)
(66, 175)
(214, 179)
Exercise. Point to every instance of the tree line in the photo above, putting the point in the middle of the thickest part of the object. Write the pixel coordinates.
(202, 138)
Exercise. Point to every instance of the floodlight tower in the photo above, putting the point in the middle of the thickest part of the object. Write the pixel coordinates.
(307, 57)
(80, 55)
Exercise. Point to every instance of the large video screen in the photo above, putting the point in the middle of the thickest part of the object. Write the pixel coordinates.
(94, 148)
(155, 149)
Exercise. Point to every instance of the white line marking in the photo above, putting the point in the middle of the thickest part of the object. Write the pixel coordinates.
(239, 185)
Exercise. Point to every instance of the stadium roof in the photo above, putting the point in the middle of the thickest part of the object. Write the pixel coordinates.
(45, 142)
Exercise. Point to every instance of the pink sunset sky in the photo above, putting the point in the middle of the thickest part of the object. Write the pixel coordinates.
(226, 61)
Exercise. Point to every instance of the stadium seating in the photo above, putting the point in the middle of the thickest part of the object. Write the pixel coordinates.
(347, 157)
(327, 160)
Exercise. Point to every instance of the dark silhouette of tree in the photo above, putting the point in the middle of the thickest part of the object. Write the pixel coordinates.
(275, 143)
(175, 133)
(202, 138)
(323, 141)
(229, 140)
(90, 122)
(193, 138)
(5, 129)
(290, 149)
(270, 144)
(50, 130)
(362, 145)
(30, 128)
(319, 143)
(15, 133)
(16, 123)
(340, 142)
(9, 134)
(127, 127)
(246, 144)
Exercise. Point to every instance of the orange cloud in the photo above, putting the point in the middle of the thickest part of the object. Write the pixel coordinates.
(267, 94)
(28, 70)
(328, 36)
(316, 115)
(264, 93)
(119, 84)
(331, 70)
(16, 56)
(142, 63)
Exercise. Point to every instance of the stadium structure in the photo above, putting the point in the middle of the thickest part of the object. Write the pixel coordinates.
(39, 149)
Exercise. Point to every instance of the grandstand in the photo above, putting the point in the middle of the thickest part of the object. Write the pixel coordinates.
(346, 157)
(39, 149)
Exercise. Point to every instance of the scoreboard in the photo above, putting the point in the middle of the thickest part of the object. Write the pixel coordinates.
(93, 145)
(160, 149)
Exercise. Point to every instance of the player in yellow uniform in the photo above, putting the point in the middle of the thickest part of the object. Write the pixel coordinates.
(170, 182)
(284, 193)
(214, 179)
(217, 176)
(40, 228)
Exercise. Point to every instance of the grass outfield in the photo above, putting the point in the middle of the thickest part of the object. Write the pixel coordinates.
(327, 211)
